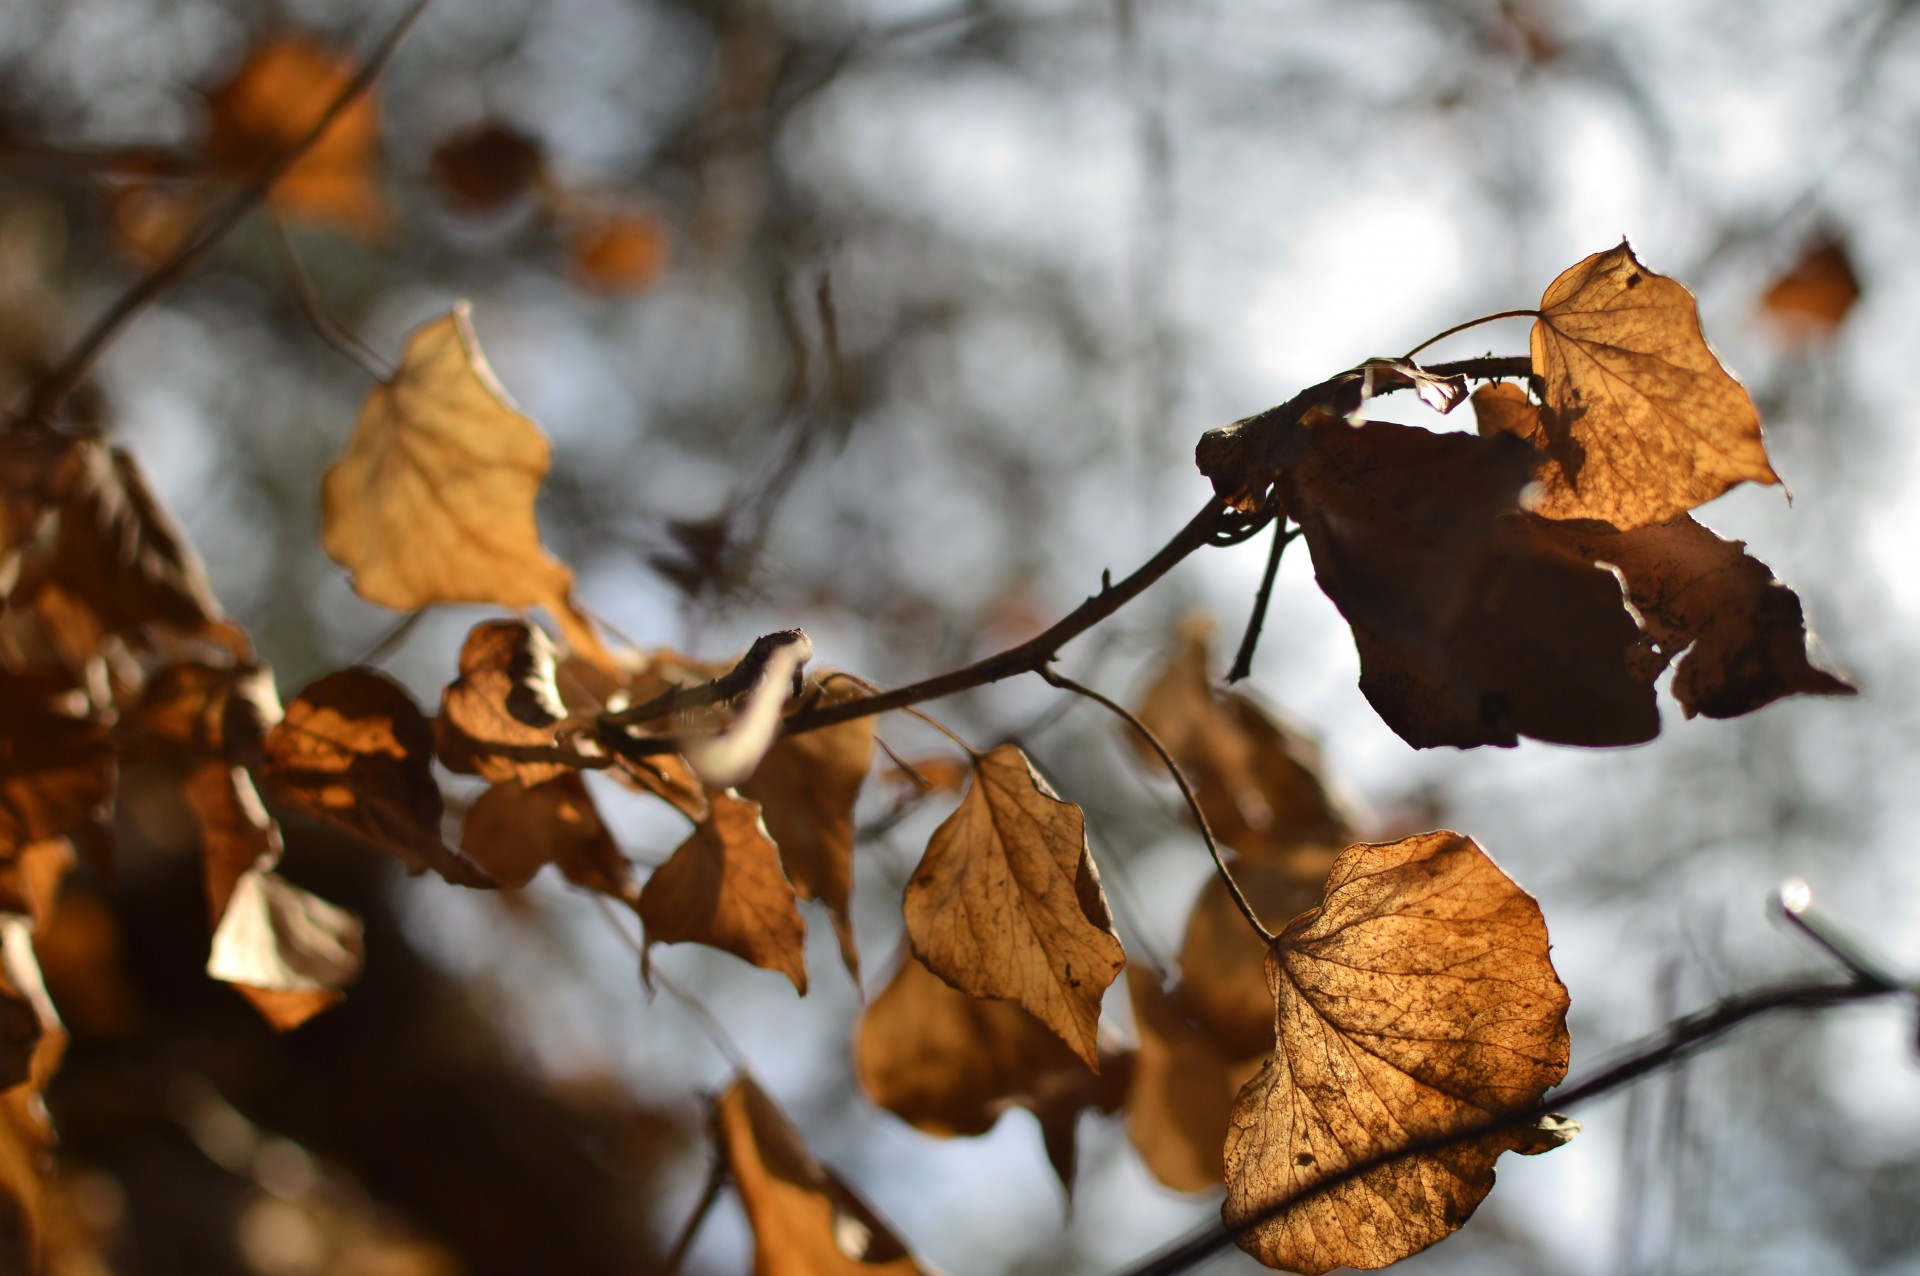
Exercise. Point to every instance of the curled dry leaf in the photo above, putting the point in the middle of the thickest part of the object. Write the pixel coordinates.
(279, 940)
(807, 786)
(1417, 1000)
(432, 501)
(805, 1221)
(497, 719)
(237, 836)
(210, 711)
(724, 888)
(587, 688)
(1007, 902)
(514, 830)
(29, 1026)
(355, 752)
(949, 1064)
(731, 754)
(1471, 630)
(1641, 420)
(277, 94)
(1257, 782)
(56, 764)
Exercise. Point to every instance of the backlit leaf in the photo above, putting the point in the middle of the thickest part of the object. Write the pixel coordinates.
(724, 888)
(1223, 964)
(1181, 1090)
(432, 501)
(1418, 999)
(805, 1221)
(280, 940)
(807, 786)
(497, 719)
(1641, 420)
(1007, 902)
(1813, 298)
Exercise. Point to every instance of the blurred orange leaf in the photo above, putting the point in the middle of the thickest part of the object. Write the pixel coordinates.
(1641, 420)
(724, 888)
(1418, 999)
(273, 98)
(805, 1221)
(432, 501)
(1182, 1089)
(1007, 902)
(1817, 293)
(618, 250)
(514, 830)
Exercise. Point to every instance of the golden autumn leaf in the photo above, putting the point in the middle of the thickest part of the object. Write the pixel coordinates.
(723, 887)
(1418, 999)
(1471, 630)
(497, 719)
(1007, 902)
(949, 1064)
(432, 501)
(294, 947)
(1743, 633)
(354, 751)
(275, 96)
(1641, 420)
(807, 786)
(513, 830)
(805, 1221)
(1813, 298)
(1181, 1090)
(1257, 782)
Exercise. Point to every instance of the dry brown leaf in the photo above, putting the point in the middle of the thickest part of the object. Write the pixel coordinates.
(723, 887)
(930, 775)
(498, 718)
(949, 1064)
(1641, 420)
(30, 880)
(727, 756)
(1418, 999)
(488, 166)
(805, 1221)
(1181, 1091)
(1258, 783)
(277, 939)
(56, 764)
(1007, 902)
(513, 830)
(276, 95)
(355, 752)
(618, 251)
(1814, 297)
(807, 786)
(221, 711)
(1223, 964)
(1470, 629)
(432, 501)
(1743, 632)
(237, 836)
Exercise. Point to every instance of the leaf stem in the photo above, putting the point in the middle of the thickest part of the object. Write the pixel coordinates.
(1682, 1037)
(1065, 683)
(1471, 323)
(331, 330)
(1243, 660)
(716, 1181)
(52, 389)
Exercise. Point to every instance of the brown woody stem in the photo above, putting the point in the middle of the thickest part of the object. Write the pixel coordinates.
(1186, 790)
(716, 1181)
(1680, 1038)
(53, 388)
(1243, 659)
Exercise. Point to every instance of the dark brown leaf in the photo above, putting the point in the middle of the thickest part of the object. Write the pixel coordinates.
(514, 830)
(724, 888)
(219, 711)
(497, 719)
(56, 766)
(1418, 999)
(1007, 902)
(237, 836)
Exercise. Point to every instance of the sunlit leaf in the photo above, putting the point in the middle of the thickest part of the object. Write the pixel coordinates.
(1418, 999)
(1007, 902)
(497, 719)
(724, 888)
(278, 939)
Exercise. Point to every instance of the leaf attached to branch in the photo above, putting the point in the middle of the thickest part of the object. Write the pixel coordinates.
(1007, 902)
(497, 719)
(724, 888)
(1641, 421)
(1417, 1000)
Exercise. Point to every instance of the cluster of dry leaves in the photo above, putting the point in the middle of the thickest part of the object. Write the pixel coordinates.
(1531, 579)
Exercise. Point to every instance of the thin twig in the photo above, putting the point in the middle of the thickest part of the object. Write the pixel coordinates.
(1243, 660)
(716, 1031)
(1471, 323)
(392, 638)
(52, 389)
(716, 1180)
(1681, 1038)
(330, 330)
(1186, 790)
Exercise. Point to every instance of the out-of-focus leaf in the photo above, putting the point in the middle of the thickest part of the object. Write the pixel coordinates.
(805, 1221)
(1258, 782)
(221, 711)
(295, 947)
(513, 830)
(1181, 1091)
(237, 836)
(1418, 999)
(488, 166)
(1007, 902)
(30, 879)
(497, 719)
(618, 250)
(275, 96)
(807, 786)
(432, 501)
(724, 888)
(1223, 964)
(1641, 421)
(1471, 630)
(355, 752)
(1813, 298)
(56, 764)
